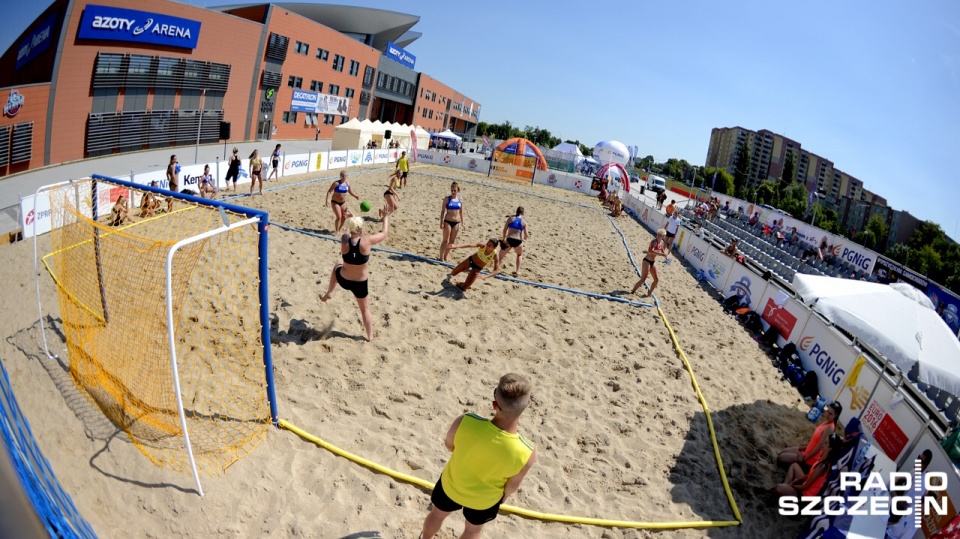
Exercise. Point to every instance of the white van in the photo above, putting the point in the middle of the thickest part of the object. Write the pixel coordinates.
(656, 183)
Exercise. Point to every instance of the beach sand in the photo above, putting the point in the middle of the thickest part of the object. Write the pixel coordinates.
(618, 428)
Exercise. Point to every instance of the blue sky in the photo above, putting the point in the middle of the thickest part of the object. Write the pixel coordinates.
(873, 86)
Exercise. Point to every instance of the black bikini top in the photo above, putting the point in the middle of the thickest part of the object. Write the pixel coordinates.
(354, 256)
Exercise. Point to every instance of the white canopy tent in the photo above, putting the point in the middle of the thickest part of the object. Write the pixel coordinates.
(447, 134)
(902, 329)
(567, 147)
(348, 136)
(423, 137)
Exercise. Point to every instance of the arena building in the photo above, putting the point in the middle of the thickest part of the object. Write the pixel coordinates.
(88, 79)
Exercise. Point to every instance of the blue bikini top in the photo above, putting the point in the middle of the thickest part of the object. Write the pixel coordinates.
(342, 187)
(454, 204)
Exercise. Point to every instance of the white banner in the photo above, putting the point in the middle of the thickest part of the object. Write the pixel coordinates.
(428, 157)
(743, 282)
(933, 524)
(716, 268)
(694, 250)
(892, 425)
(338, 159)
(784, 312)
(368, 157)
(296, 164)
(190, 177)
(354, 158)
(824, 352)
(381, 156)
(318, 161)
(39, 216)
(393, 155)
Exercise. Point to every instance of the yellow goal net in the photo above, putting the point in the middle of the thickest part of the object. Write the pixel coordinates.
(127, 261)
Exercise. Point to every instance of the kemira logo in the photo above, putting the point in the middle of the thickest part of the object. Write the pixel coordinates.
(472, 164)
(552, 179)
(822, 358)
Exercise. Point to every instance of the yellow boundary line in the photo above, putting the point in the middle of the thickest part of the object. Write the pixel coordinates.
(120, 230)
(506, 508)
(706, 412)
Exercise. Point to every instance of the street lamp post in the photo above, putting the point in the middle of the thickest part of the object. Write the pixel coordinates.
(196, 151)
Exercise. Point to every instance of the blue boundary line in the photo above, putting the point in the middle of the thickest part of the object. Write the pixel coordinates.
(449, 265)
(53, 505)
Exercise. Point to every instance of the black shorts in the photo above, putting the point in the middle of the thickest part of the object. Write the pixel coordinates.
(671, 236)
(233, 175)
(276, 164)
(477, 517)
(359, 288)
(403, 175)
(514, 242)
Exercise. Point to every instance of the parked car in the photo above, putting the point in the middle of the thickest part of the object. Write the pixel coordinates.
(634, 177)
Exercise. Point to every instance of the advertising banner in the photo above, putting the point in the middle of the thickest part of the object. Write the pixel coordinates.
(315, 102)
(296, 164)
(337, 159)
(892, 424)
(426, 156)
(747, 285)
(190, 176)
(38, 217)
(36, 42)
(399, 55)
(932, 524)
(368, 157)
(694, 250)
(889, 271)
(716, 268)
(381, 156)
(512, 173)
(856, 390)
(651, 218)
(318, 161)
(476, 164)
(946, 304)
(120, 24)
(823, 351)
(354, 158)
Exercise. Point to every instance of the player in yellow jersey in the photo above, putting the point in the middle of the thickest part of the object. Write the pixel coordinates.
(489, 461)
(403, 165)
(486, 253)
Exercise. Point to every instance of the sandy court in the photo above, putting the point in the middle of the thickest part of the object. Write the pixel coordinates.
(618, 428)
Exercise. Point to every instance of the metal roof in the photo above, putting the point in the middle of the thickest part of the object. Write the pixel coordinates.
(382, 24)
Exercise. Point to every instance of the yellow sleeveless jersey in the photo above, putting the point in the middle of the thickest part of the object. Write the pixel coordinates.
(403, 164)
(484, 458)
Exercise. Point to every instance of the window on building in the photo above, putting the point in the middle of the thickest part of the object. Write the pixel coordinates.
(338, 62)
(424, 113)
(334, 89)
(316, 86)
(163, 98)
(289, 117)
(344, 119)
(430, 115)
(109, 64)
(349, 92)
(139, 65)
(323, 54)
(295, 82)
(134, 99)
(311, 118)
(328, 119)
(190, 100)
(368, 75)
(192, 72)
(213, 100)
(104, 100)
(433, 97)
(354, 67)
(301, 48)
(167, 67)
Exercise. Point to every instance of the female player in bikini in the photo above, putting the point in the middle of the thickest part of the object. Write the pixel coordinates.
(486, 253)
(451, 219)
(657, 247)
(391, 197)
(515, 230)
(337, 197)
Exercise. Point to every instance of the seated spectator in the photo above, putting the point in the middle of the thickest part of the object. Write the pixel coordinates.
(755, 219)
(148, 205)
(731, 249)
(823, 249)
(816, 447)
(207, 183)
(120, 214)
(616, 206)
(800, 483)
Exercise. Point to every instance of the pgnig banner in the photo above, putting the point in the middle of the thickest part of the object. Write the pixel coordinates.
(119, 24)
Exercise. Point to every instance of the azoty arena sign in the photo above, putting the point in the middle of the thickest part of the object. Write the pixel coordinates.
(119, 24)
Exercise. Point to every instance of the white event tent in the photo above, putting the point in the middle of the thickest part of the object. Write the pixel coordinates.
(902, 329)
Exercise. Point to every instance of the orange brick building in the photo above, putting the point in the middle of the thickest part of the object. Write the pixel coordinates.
(97, 77)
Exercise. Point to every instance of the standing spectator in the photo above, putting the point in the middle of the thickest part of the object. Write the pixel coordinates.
(120, 214)
(671, 207)
(489, 460)
(233, 168)
(275, 164)
(173, 179)
(673, 225)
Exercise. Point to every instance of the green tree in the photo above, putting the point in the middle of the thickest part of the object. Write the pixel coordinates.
(927, 233)
(741, 174)
(794, 200)
(767, 193)
(724, 183)
(925, 260)
(877, 228)
(899, 252)
(825, 218)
